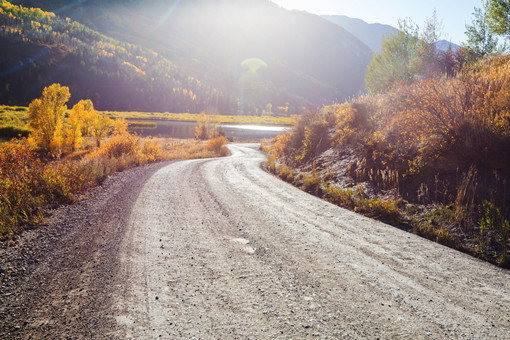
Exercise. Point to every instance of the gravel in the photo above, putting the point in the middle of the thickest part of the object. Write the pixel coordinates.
(220, 249)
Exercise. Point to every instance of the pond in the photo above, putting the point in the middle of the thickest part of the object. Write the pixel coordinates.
(178, 129)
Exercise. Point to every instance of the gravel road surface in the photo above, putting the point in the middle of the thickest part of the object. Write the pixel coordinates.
(220, 249)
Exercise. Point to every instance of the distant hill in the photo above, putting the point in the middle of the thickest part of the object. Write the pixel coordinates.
(252, 49)
(39, 48)
(444, 45)
(372, 34)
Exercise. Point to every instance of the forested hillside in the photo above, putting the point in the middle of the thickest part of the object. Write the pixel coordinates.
(40, 48)
(252, 49)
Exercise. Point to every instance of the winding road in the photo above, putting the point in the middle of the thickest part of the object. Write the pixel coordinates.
(220, 249)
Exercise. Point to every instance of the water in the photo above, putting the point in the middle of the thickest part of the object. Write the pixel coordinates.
(176, 129)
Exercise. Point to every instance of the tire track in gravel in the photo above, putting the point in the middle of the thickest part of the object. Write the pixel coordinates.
(220, 249)
(253, 257)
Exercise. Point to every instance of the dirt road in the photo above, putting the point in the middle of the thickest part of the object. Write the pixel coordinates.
(219, 249)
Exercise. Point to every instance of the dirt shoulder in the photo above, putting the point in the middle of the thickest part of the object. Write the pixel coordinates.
(57, 278)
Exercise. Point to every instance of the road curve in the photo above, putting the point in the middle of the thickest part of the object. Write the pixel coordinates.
(221, 249)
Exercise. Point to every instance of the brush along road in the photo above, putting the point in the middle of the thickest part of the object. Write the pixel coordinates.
(220, 249)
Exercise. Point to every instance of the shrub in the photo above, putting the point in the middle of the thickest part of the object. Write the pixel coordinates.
(20, 184)
(217, 145)
(494, 224)
(312, 184)
(152, 151)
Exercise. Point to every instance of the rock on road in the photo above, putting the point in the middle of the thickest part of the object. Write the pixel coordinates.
(220, 249)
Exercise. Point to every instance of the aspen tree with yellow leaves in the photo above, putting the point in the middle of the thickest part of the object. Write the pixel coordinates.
(46, 116)
(74, 130)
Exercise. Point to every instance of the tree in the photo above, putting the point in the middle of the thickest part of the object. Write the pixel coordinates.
(46, 116)
(101, 127)
(427, 56)
(450, 62)
(395, 61)
(406, 55)
(481, 39)
(88, 116)
(498, 15)
(202, 130)
(75, 120)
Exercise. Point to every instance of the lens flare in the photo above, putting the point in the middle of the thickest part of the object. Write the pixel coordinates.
(25, 63)
(69, 6)
(253, 64)
(169, 12)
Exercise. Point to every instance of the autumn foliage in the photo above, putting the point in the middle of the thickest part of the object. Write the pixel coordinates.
(217, 145)
(70, 151)
(29, 182)
(443, 140)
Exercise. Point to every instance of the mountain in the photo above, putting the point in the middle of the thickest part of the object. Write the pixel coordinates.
(372, 34)
(253, 50)
(444, 45)
(39, 48)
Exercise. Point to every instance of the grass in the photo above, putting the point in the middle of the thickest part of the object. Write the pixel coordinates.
(194, 117)
(28, 183)
(13, 122)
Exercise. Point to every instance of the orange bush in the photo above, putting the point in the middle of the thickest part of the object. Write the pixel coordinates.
(217, 145)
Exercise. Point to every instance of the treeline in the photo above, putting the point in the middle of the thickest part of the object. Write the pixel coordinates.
(42, 49)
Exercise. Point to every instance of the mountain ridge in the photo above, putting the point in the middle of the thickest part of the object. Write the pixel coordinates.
(372, 34)
(305, 61)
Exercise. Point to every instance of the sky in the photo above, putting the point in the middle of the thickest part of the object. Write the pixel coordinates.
(454, 14)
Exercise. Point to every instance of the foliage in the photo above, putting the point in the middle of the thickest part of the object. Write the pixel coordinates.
(481, 41)
(353, 123)
(495, 224)
(357, 200)
(442, 141)
(21, 176)
(498, 12)
(217, 145)
(397, 60)
(52, 44)
(46, 117)
(202, 130)
(183, 148)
